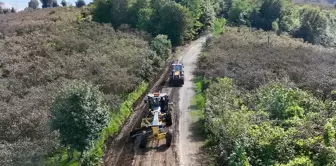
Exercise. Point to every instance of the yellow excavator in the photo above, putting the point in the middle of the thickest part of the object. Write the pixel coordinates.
(154, 125)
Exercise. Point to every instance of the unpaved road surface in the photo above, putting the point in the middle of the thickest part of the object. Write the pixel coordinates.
(185, 148)
(189, 143)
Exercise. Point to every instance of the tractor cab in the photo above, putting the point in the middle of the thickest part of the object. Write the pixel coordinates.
(157, 101)
(176, 74)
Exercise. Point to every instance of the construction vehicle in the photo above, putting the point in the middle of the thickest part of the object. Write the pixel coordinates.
(176, 74)
(157, 120)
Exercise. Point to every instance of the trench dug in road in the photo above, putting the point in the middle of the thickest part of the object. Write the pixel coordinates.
(185, 148)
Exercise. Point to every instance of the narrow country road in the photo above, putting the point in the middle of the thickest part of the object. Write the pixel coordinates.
(185, 148)
(189, 144)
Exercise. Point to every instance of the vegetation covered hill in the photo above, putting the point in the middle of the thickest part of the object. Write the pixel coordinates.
(267, 102)
(44, 50)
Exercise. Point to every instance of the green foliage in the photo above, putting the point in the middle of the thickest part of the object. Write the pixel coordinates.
(269, 11)
(218, 26)
(208, 15)
(313, 24)
(54, 3)
(195, 8)
(283, 103)
(329, 134)
(46, 3)
(175, 21)
(238, 157)
(117, 119)
(299, 161)
(161, 45)
(33, 4)
(179, 21)
(239, 135)
(79, 114)
(64, 3)
(80, 3)
(241, 11)
(275, 25)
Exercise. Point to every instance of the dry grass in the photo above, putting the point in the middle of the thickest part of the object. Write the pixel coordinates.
(251, 61)
(45, 49)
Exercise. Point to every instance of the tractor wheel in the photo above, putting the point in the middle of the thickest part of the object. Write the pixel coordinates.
(168, 118)
(143, 140)
(169, 137)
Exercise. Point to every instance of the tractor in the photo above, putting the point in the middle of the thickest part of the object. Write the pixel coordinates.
(157, 119)
(176, 74)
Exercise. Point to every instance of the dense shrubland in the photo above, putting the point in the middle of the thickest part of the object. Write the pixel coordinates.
(43, 51)
(267, 103)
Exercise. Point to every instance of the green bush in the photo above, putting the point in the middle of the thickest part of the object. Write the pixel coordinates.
(117, 119)
(299, 161)
(267, 126)
(162, 46)
(79, 114)
(218, 26)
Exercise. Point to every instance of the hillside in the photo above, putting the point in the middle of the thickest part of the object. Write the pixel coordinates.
(274, 95)
(43, 50)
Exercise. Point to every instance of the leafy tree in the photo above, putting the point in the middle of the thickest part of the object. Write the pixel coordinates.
(139, 14)
(238, 157)
(102, 12)
(171, 19)
(270, 10)
(144, 18)
(64, 3)
(275, 25)
(218, 26)
(55, 3)
(13, 10)
(33, 4)
(80, 3)
(114, 12)
(161, 45)
(195, 8)
(313, 25)
(299, 161)
(79, 114)
(46, 3)
(208, 14)
(329, 134)
(240, 12)
(290, 18)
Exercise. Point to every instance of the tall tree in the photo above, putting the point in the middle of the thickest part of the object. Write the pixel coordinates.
(13, 10)
(80, 3)
(79, 114)
(46, 3)
(55, 3)
(171, 19)
(64, 3)
(33, 4)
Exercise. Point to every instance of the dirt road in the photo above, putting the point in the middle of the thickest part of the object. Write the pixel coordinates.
(185, 149)
(189, 144)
